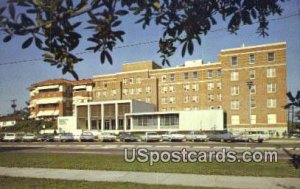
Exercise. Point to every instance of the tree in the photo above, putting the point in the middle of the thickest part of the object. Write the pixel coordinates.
(50, 24)
(294, 103)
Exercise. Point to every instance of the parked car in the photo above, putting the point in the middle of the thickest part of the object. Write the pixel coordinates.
(45, 138)
(1, 136)
(294, 135)
(128, 137)
(222, 136)
(64, 137)
(12, 137)
(29, 137)
(253, 136)
(173, 136)
(151, 137)
(87, 136)
(196, 136)
(107, 137)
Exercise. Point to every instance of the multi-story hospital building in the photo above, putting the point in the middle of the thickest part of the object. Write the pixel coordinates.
(244, 90)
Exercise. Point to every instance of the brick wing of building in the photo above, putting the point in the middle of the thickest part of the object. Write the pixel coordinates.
(248, 84)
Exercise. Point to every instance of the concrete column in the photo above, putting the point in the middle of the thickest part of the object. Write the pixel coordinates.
(102, 117)
(116, 116)
(89, 116)
(158, 122)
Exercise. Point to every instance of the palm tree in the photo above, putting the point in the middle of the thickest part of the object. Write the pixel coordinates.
(294, 103)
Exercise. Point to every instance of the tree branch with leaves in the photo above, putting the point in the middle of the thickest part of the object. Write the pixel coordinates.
(49, 24)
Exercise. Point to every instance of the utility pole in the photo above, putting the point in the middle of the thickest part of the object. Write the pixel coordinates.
(13, 105)
(250, 84)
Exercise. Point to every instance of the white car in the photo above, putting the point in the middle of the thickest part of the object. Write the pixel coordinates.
(173, 136)
(12, 137)
(29, 137)
(106, 136)
(196, 136)
(253, 136)
(151, 137)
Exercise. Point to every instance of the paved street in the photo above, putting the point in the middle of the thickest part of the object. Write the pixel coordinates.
(284, 149)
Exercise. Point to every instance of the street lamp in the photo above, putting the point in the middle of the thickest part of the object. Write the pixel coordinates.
(250, 84)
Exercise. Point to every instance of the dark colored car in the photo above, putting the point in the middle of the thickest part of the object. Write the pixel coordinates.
(1, 137)
(128, 137)
(222, 136)
(45, 138)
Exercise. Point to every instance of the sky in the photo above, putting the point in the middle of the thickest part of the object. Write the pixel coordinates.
(16, 78)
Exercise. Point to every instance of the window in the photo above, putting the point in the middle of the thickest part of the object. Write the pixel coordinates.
(172, 99)
(125, 91)
(195, 87)
(219, 85)
(234, 76)
(172, 77)
(210, 74)
(271, 103)
(253, 119)
(138, 90)
(130, 80)
(235, 90)
(210, 97)
(124, 81)
(172, 88)
(253, 89)
(271, 87)
(210, 86)
(234, 61)
(219, 107)
(164, 100)
(148, 89)
(131, 91)
(195, 99)
(163, 78)
(253, 103)
(104, 93)
(114, 92)
(211, 107)
(271, 56)
(164, 89)
(148, 99)
(219, 96)
(195, 75)
(271, 72)
(219, 72)
(235, 119)
(251, 59)
(186, 75)
(272, 118)
(138, 80)
(186, 99)
(98, 93)
(252, 74)
(235, 104)
(186, 88)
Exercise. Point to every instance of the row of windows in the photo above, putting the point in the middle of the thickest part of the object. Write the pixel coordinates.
(194, 75)
(187, 99)
(189, 108)
(271, 73)
(271, 103)
(234, 59)
(235, 90)
(271, 119)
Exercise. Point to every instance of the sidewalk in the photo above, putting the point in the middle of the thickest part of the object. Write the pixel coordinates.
(242, 182)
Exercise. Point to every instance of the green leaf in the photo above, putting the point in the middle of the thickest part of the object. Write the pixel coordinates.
(183, 49)
(11, 10)
(108, 57)
(117, 23)
(38, 43)
(27, 43)
(2, 10)
(7, 39)
(121, 12)
(190, 47)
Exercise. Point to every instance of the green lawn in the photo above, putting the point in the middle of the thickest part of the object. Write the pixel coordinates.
(113, 162)
(24, 183)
